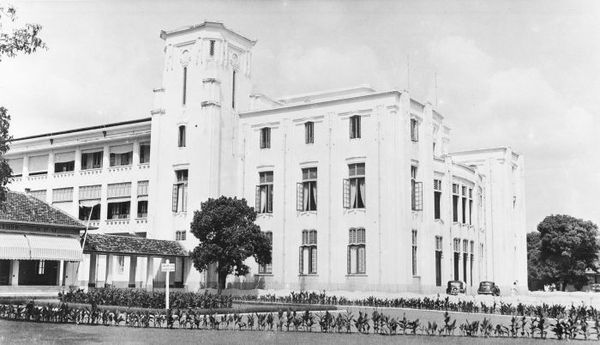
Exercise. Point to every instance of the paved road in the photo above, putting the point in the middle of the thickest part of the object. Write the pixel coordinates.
(28, 333)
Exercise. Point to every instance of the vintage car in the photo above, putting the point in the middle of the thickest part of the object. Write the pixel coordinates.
(455, 287)
(488, 288)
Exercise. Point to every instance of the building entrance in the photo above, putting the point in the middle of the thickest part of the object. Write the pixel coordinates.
(38, 272)
(4, 272)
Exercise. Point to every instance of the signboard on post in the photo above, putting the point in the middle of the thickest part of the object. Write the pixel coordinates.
(167, 267)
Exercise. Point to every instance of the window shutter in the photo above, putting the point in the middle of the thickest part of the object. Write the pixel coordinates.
(174, 201)
(38, 164)
(418, 196)
(349, 261)
(300, 260)
(257, 200)
(268, 143)
(313, 269)
(360, 236)
(299, 197)
(260, 138)
(346, 193)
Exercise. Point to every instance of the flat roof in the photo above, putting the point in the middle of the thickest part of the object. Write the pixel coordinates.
(109, 125)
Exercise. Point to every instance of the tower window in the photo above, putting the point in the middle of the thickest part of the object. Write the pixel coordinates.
(212, 48)
(355, 127)
(414, 130)
(233, 90)
(181, 137)
(437, 199)
(179, 197)
(184, 84)
(416, 190)
(309, 132)
(265, 138)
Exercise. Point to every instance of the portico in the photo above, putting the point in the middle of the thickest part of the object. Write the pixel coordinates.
(130, 261)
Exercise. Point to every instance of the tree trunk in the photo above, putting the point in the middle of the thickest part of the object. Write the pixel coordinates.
(222, 276)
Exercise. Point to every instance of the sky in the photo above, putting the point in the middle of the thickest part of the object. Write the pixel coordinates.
(524, 74)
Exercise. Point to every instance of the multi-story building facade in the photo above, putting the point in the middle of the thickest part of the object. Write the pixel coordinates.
(356, 188)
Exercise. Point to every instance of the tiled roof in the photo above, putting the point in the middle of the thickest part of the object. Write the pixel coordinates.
(115, 244)
(23, 208)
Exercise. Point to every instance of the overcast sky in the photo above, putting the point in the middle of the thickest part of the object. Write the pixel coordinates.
(524, 74)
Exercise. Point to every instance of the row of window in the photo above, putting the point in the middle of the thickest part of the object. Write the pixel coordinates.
(356, 255)
(120, 155)
(354, 127)
(468, 258)
(354, 193)
(307, 256)
(462, 197)
(306, 191)
(118, 200)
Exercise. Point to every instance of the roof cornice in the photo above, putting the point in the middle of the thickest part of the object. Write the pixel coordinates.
(83, 129)
(216, 25)
(317, 104)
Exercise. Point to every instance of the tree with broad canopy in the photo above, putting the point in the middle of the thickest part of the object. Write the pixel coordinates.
(228, 236)
(14, 39)
(565, 251)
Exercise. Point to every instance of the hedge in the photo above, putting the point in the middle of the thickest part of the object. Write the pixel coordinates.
(426, 303)
(576, 324)
(146, 299)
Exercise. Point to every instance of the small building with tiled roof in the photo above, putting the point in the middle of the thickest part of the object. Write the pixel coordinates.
(132, 245)
(39, 244)
(131, 261)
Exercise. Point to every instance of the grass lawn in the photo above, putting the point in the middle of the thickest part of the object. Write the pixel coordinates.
(16, 332)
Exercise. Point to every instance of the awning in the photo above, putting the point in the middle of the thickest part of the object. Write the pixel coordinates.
(55, 248)
(31, 247)
(14, 247)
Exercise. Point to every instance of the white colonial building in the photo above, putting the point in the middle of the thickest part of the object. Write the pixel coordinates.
(355, 187)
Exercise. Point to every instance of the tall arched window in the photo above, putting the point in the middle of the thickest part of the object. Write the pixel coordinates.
(181, 137)
(233, 89)
(184, 85)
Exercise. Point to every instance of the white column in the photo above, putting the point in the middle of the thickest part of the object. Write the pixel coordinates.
(14, 273)
(61, 273)
(25, 166)
(106, 157)
(77, 159)
(103, 202)
(149, 272)
(132, 270)
(136, 153)
(50, 163)
(133, 205)
(110, 265)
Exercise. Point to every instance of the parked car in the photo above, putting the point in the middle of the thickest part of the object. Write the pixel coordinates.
(455, 287)
(488, 288)
(595, 287)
